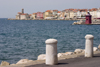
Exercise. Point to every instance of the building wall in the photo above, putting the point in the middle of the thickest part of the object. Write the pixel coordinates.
(67, 15)
(62, 15)
(72, 14)
(48, 15)
(78, 14)
(17, 17)
(34, 16)
(95, 14)
(92, 13)
(98, 14)
(39, 15)
(55, 12)
(22, 17)
(45, 15)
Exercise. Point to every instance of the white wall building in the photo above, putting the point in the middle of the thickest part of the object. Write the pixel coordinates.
(78, 14)
(22, 15)
(98, 13)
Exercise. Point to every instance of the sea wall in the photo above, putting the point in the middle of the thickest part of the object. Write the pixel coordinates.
(82, 22)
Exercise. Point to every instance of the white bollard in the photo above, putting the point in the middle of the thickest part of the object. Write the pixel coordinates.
(89, 46)
(51, 52)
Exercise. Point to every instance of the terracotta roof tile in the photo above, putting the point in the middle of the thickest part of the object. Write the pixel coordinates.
(55, 10)
(19, 12)
(23, 14)
(59, 11)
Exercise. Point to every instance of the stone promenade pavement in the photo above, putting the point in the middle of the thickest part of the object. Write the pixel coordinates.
(76, 61)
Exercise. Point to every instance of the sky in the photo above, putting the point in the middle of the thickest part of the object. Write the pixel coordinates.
(9, 8)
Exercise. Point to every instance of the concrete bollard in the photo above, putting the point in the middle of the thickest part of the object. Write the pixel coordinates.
(89, 46)
(51, 52)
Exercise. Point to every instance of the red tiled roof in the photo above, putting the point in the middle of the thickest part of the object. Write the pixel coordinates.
(39, 12)
(19, 12)
(34, 13)
(48, 11)
(23, 14)
(59, 11)
(29, 14)
(55, 10)
(93, 9)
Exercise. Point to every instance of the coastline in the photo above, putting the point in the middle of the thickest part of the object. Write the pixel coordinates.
(46, 19)
(82, 22)
(95, 22)
(61, 58)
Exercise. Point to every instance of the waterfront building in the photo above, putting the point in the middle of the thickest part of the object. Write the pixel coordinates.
(98, 13)
(70, 13)
(93, 12)
(22, 15)
(48, 14)
(73, 14)
(55, 14)
(39, 15)
(58, 13)
(30, 16)
(67, 14)
(78, 14)
(34, 16)
(62, 16)
(83, 12)
(18, 15)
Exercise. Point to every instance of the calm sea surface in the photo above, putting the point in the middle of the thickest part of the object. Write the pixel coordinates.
(25, 39)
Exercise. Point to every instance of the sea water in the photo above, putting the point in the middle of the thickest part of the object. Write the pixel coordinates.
(25, 39)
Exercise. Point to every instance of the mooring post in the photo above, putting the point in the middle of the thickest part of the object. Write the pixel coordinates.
(89, 46)
(51, 52)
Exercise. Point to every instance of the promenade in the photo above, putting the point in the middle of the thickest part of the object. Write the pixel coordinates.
(79, 61)
(75, 62)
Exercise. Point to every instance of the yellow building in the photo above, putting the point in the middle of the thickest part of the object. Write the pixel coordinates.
(67, 15)
(48, 14)
(62, 16)
(34, 15)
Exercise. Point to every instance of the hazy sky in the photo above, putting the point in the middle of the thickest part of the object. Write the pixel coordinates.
(9, 8)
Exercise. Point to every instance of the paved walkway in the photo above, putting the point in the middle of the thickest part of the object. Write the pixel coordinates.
(75, 62)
